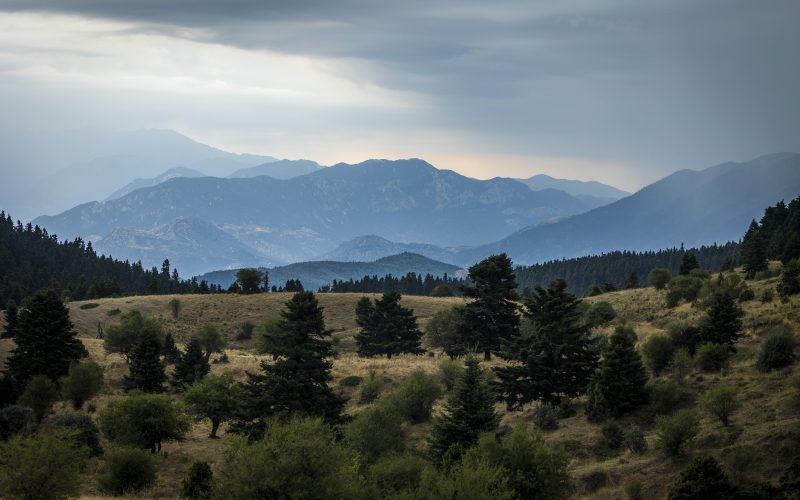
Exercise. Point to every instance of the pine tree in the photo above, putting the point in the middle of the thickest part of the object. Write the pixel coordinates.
(617, 386)
(491, 318)
(387, 328)
(723, 321)
(297, 382)
(468, 412)
(12, 316)
(170, 351)
(556, 358)
(632, 281)
(191, 366)
(45, 339)
(146, 369)
(754, 250)
(688, 263)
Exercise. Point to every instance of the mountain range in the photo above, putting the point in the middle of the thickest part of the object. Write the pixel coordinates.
(592, 192)
(315, 274)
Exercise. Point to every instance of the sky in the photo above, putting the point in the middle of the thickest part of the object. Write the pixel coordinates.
(621, 91)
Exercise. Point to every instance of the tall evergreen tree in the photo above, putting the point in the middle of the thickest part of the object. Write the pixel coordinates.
(191, 366)
(45, 339)
(12, 316)
(688, 263)
(555, 358)
(617, 386)
(468, 412)
(297, 382)
(754, 250)
(387, 328)
(146, 372)
(723, 321)
(632, 281)
(170, 350)
(491, 318)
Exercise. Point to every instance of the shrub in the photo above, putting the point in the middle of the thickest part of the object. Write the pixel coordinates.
(40, 393)
(768, 296)
(684, 335)
(746, 294)
(659, 278)
(216, 397)
(414, 399)
(712, 357)
(114, 312)
(664, 395)
(350, 381)
(127, 470)
(85, 431)
(633, 439)
(675, 432)
(122, 338)
(566, 408)
(545, 417)
(397, 473)
(375, 432)
(612, 434)
(211, 340)
(721, 402)
(449, 370)
(681, 365)
(658, 352)
(143, 420)
(16, 419)
(245, 331)
(442, 329)
(534, 470)
(474, 479)
(300, 458)
(777, 351)
(443, 290)
(599, 314)
(199, 483)
(43, 466)
(702, 479)
(594, 480)
(683, 287)
(83, 381)
(371, 388)
(90, 305)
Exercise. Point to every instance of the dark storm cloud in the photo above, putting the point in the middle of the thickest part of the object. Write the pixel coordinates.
(667, 84)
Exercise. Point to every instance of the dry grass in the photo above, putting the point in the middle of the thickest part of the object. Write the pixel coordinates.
(764, 422)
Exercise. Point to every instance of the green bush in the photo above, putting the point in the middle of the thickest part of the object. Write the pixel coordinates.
(85, 431)
(664, 395)
(721, 402)
(375, 432)
(414, 399)
(199, 483)
(83, 381)
(144, 420)
(301, 458)
(371, 388)
(469, 480)
(612, 434)
(778, 350)
(675, 432)
(127, 470)
(599, 314)
(40, 393)
(43, 466)
(449, 370)
(114, 312)
(175, 307)
(396, 473)
(350, 381)
(712, 357)
(659, 278)
(702, 479)
(768, 296)
(658, 351)
(90, 305)
(245, 331)
(683, 287)
(684, 336)
(442, 329)
(633, 439)
(681, 365)
(746, 294)
(545, 417)
(16, 419)
(594, 480)
(566, 408)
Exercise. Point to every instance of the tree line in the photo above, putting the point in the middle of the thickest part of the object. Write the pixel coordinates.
(410, 284)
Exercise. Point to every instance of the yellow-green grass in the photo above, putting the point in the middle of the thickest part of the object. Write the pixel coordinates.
(765, 422)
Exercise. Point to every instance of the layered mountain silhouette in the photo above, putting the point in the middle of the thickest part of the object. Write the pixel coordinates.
(279, 169)
(594, 193)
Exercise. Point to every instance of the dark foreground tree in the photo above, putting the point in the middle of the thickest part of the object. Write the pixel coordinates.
(45, 339)
(688, 264)
(386, 328)
(191, 367)
(297, 382)
(702, 479)
(143, 420)
(468, 413)
(122, 338)
(491, 318)
(216, 398)
(754, 251)
(146, 369)
(12, 316)
(249, 280)
(723, 321)
(617, 386)
(84, 380)
(555, 358)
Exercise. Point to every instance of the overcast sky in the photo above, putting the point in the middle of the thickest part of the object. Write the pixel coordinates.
(620, 91)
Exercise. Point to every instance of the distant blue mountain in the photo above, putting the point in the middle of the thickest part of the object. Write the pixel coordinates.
(369, 248)
(279, 169)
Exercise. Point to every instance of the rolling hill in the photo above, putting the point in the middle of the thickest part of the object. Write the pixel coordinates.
(371, 247)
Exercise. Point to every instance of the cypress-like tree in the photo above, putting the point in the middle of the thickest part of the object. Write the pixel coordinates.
(468, 412)
(387, 328)
(12, 316)
(491, 318)
(754, 250)
(191, 366)
(617, 386)
(145, 367)
(297, 382)
(170, 350)
(555, 358)
(45, 338)
(632, 281)
(723, 321)
(688, 263)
